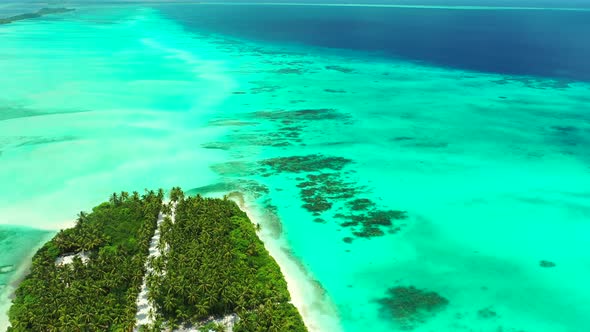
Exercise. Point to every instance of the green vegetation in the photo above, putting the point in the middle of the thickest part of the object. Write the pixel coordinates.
(271, 317)
(212, 264)
(39, 13)
(97, 291)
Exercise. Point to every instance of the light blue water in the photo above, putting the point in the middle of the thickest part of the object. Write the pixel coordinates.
(15, 248)
(490, 168)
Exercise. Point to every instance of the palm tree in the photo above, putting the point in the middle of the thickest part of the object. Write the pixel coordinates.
(168, 303)
(124, 196)
(114, 199)
(81, 217)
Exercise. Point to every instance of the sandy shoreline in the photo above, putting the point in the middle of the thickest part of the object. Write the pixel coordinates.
(318, 313)
(20, 272)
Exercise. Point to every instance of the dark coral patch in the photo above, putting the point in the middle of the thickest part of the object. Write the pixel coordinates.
(309, 163)
(369, 223)
(317, 204)
(410, 306)
(360, 204)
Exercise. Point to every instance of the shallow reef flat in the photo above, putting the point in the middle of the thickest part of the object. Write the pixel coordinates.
(395, 184)
(427, 165)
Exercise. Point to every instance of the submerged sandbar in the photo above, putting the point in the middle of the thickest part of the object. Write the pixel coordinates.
(41, 12)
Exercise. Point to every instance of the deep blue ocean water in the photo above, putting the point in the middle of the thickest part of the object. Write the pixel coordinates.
(544, 43)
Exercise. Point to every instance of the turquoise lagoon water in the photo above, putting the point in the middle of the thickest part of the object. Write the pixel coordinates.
(491, 169)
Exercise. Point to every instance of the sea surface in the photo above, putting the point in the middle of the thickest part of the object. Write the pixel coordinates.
(428, 167)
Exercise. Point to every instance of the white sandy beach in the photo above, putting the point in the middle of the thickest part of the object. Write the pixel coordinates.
(318, 313)
(7, 292)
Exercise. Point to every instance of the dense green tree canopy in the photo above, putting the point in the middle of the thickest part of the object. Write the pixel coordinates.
(212, 264)
(99, 293)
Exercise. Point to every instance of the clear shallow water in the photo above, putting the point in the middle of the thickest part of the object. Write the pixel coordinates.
(15, 245)
(491, 168)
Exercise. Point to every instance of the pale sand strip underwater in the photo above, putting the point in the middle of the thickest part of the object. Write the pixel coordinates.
(317, 311)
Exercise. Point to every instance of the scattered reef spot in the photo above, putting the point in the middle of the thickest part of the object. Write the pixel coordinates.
(340, 69)
(231, 123)
(289, 71)
(564, 129)
(265, 89)
(402, 138)
(334, 90)
(486, 313)
(410, 306)
(301, 115)
(546, 264)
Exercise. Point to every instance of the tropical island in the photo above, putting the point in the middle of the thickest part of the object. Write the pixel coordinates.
(39, 13)
(139, 263)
